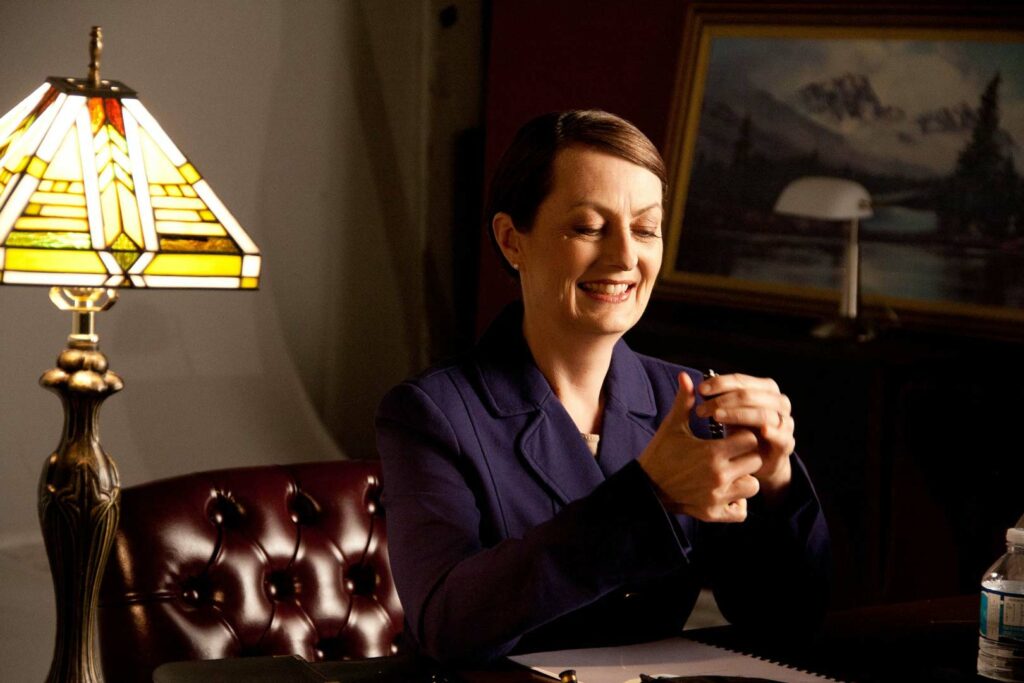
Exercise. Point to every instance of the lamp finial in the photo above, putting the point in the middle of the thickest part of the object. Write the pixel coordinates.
(95, 50)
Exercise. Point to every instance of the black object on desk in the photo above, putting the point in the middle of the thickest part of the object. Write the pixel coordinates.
(295, 669)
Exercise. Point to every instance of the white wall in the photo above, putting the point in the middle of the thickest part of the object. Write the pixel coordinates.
(309, 119)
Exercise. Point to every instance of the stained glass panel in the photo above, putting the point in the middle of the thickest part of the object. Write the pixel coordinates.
(93, 189)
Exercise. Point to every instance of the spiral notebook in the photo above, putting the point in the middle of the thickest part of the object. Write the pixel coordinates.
(670, 658)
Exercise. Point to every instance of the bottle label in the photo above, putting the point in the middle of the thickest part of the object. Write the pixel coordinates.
(1002, 616)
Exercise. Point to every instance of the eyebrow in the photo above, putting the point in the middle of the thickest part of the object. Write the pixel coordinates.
(595, 205)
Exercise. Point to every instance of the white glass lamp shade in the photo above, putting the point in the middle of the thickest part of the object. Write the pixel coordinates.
(826, 199)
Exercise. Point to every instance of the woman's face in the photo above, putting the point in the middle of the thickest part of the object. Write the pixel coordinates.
(591, 259)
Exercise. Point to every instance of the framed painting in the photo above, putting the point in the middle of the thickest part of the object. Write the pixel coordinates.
(923, 107)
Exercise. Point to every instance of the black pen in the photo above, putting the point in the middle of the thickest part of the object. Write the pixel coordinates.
(716, 428)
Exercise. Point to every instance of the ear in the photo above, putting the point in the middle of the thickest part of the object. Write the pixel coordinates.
(508, 238)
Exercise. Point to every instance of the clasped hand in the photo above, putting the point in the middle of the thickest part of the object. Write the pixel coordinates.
(712, 479)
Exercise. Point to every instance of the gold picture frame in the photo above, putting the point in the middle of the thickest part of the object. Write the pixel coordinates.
(815, 88)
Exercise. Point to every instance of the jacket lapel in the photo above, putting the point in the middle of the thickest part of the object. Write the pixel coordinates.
(547, 442)
(630, 411)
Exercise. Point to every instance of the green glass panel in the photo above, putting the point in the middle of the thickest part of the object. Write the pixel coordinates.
(49, 240)
(126, 259)
(125, 251)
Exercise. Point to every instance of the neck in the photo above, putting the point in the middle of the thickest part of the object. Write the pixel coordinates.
(575, 366)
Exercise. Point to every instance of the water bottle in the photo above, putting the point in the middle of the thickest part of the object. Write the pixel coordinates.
(1001, 623)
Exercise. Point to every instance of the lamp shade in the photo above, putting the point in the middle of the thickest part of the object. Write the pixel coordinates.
(827, 199)
(93, 193)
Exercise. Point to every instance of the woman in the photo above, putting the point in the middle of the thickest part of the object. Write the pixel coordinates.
(555, 489)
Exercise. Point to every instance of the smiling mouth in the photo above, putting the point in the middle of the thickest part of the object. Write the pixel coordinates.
(608, 291)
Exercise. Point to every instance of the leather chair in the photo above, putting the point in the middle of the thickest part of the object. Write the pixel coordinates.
(249, 561)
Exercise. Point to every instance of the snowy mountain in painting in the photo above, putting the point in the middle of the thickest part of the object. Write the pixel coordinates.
(842, 120)
(849, 96)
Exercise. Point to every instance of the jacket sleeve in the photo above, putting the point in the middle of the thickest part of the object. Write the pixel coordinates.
(465, 601)
(771, 572)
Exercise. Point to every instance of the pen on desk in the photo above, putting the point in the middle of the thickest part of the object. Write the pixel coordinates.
(716, 428)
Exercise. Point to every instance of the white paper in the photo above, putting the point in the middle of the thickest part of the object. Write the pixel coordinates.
(671, 657)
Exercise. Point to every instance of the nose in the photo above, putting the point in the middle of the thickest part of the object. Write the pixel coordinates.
(620, 249)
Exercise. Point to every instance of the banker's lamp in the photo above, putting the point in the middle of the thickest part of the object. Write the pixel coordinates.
(94, 197)
(844, 202)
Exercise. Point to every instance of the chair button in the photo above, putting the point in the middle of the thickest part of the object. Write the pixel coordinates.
(281, 586)
(361, 580)
(226, 511)
(304, 510)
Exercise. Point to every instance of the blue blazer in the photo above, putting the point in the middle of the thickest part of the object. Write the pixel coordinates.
(505, 533)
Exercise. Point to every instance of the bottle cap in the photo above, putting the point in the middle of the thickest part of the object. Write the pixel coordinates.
(1015, 535)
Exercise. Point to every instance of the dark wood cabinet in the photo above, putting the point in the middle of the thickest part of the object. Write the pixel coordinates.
(913, 439)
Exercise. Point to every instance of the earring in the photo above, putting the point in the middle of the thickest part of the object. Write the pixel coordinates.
(515, 266)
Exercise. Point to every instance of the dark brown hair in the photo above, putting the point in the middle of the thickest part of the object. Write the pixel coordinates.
(523, 177)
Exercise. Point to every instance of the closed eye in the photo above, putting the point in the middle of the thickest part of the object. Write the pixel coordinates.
(587, 230)
(647, 233)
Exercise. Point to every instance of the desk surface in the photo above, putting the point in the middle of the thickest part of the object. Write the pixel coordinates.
(930, 640)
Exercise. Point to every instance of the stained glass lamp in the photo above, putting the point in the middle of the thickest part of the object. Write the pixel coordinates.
(95, 197)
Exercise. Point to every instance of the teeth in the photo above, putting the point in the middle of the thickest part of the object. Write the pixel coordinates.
(602, 288)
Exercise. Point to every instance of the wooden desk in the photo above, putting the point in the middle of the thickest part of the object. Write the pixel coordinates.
(929, 640)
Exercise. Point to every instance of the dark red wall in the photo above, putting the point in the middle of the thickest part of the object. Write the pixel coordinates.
(547, 55)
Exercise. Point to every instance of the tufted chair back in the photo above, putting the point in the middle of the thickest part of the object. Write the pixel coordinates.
(249, 561)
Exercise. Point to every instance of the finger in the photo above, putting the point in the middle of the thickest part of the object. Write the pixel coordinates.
(721, 384)
(731, 512)
(679, 414)
(754, 418)
(744, 465)
(736, 443)
(780, 440)
(745, 398)
(745, 487)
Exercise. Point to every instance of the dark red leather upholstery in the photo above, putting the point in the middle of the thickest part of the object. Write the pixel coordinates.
(249, 561)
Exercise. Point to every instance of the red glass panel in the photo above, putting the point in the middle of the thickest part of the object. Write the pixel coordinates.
(96, 114)
(47, 100)
(114, 114)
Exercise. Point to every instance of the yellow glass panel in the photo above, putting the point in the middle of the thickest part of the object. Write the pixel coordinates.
(159, 168)
(67, 162)
(36, 167)
(177, 203)
(156, 190)
(130, 213)
(207, 215)
(111, 214)
(250, 283)
(54, 198)
(174, 190)
(51, 223)
(46, 185)
(32, 210)
(54, 260)
(124, 177)
(195, 264)
(174, 215)
(106, 177)
(189, 172)
(60, 187)
(181, 228)
(61, 211)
